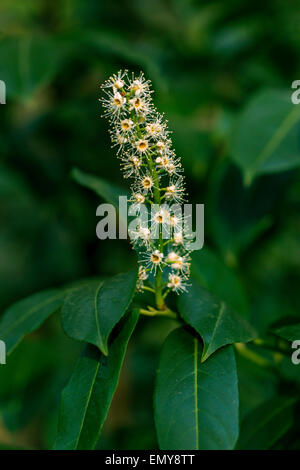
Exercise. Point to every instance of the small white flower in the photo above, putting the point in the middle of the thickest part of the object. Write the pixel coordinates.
(139, 198)
(118, 84)
(161, 146)
(118, 100)
(142, 275)
(144, 233)
(147, 183)
(176, 283)
(181, 264)
(155, 129)
(163, 162)
(141, 235)
(126, 125)
(178, 238)
(172, 257)
(153, 260)
(174, 221)
(175, 191)
(131, 165)
(162, 216)
(138, 87)
(114, 105)
(117, 81)
(118, 139)
(121, 139)
(137, 104)
(142, 145)
(170, 190)
(156, 257)
(173, 168)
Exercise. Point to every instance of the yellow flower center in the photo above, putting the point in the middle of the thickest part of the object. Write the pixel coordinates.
(155, 258)
(117, 101)
(147, 182)
(143, 145)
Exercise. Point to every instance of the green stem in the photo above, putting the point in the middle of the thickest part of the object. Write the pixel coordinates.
(149, 289)
(160, 303)
(166, 293)
(153, 312)
(273, 344)
(159, 298)
(158, 290)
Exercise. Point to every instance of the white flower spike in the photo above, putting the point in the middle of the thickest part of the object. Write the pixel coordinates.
(146, 153)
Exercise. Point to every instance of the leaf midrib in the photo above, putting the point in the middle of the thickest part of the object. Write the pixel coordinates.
(277, 137)
(220, 314)
(278, 410)
(30, 312)
(196, 391)
(96, 313)
(88, 402)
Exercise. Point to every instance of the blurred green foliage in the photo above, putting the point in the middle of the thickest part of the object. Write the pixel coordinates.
(208, 60)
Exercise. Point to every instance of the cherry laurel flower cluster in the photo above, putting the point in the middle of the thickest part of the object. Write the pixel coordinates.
(145, 150)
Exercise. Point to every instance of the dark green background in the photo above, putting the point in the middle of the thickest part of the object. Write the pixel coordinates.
(206, 60)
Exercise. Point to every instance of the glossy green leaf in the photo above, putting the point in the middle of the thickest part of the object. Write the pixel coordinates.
(91, 311)
(214, 275)
(108, 191)
(267, 423)
(289, 332)
(239, 215)
(266, 139)
(215, 322)
(28, 62)
(258, 382)
(27, 315)
(86, 399)
(196, 404)
(115, 44)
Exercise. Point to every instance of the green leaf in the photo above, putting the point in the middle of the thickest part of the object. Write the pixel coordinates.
(289, 332)
(28, 62)
(196, 404)
(266, 139)
(238, 215)
(215, 322)
(106, 190)
(91, 310)
(214, 275)
(258, 382)
(266, 424)
(110, 44)
(27, 315)
(86, 399)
